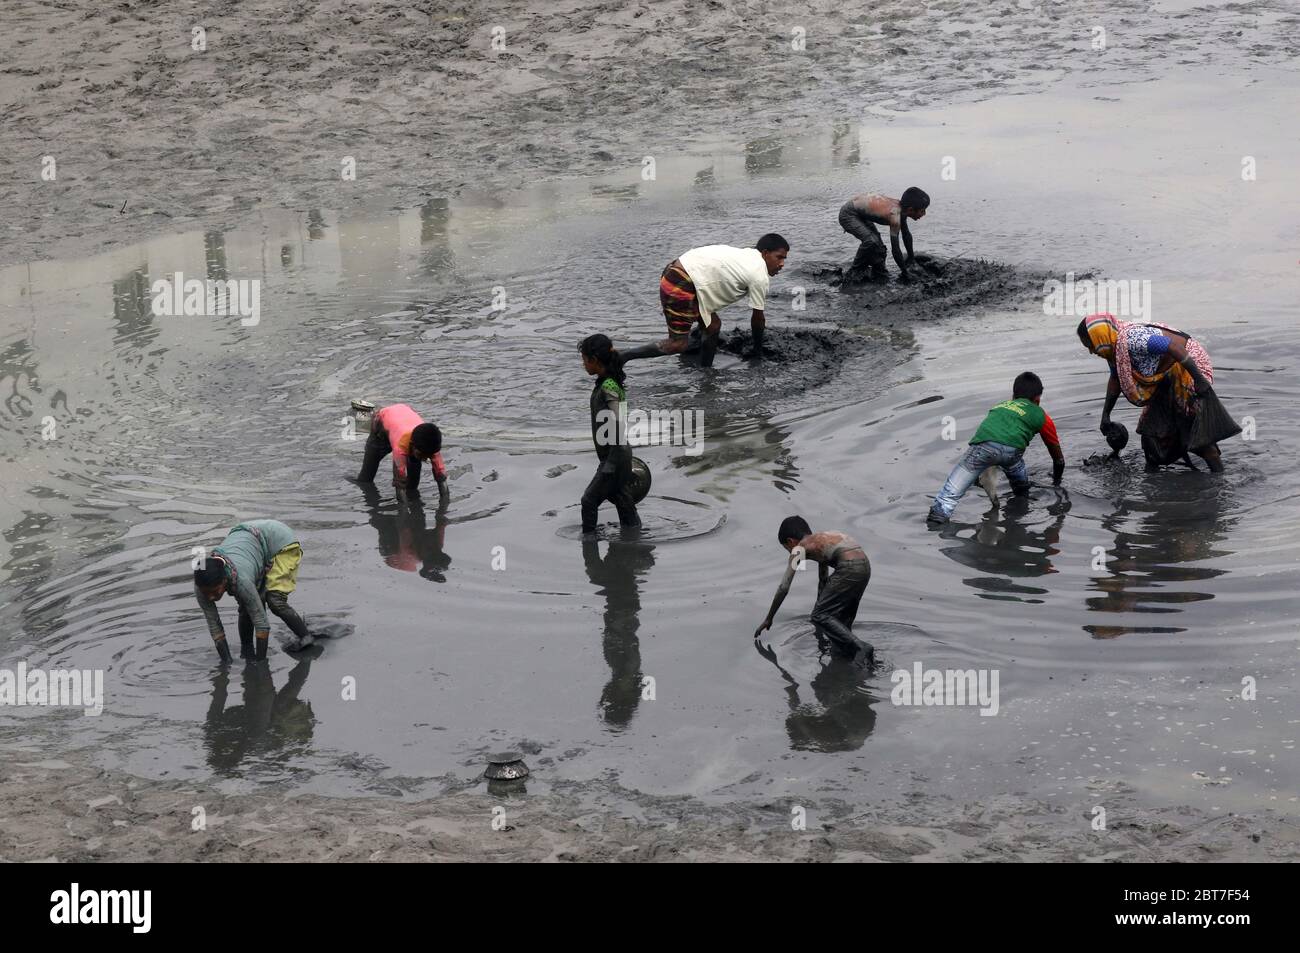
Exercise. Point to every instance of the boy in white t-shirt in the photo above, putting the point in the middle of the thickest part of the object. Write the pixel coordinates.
(705, 280)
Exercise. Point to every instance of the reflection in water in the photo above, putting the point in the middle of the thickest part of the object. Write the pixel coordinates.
(436, 256)
(1170, 535)
(624, 193)
(29, 555)
(845, 144)
(133, 322)
(16, 364)
(405, 540)
(316, 225)
(617, 576)
(739, 443)
(214, 253)
(763, 154)
(842, 718)
(269, 724)
(1005, 549)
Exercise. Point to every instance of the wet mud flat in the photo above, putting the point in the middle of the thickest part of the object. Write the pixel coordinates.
(427, 107)
(57, 808)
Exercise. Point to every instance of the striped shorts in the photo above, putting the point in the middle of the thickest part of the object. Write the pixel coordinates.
(677, 298)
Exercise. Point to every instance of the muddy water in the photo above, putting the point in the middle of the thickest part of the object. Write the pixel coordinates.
(168, 430)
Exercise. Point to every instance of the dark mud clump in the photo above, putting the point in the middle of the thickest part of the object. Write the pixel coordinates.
(941, 288)
(795, 359)
(1102, 460)
(808, 348)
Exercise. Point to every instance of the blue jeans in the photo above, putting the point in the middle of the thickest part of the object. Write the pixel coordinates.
(978, 458)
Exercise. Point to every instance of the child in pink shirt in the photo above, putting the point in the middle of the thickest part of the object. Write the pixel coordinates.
(399, 430)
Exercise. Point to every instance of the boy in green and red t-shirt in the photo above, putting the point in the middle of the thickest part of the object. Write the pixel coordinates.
(1000, 441)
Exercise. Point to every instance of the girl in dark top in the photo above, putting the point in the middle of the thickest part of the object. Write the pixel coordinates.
(609, 434)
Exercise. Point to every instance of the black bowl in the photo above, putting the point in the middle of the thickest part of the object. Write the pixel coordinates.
(640, 485)
(1116, 436)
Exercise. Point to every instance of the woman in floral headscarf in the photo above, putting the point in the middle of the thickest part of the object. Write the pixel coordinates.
(1161, 370)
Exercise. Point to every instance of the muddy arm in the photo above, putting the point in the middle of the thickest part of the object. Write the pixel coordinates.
(1178, 351)
(1058, 462)
(899, 260)
(781, 592)
(1112, 395)
(757, 326)
(213, 619)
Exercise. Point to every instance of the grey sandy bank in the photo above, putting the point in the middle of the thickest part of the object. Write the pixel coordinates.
(61, 808)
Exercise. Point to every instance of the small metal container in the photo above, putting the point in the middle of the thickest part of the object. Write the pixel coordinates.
(506, 766)
(363, 412)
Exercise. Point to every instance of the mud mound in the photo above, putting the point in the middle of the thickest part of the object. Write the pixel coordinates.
(824, 348)
(795, 361)
(943, 287)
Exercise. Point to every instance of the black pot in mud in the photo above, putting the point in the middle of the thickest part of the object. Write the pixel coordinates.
(640, 484)
(1117, 436)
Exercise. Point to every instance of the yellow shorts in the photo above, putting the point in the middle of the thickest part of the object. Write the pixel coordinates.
(283, 574)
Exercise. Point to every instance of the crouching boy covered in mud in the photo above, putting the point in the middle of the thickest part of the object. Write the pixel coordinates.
(860, 215)
(258, 561)
(1000, 441)
(838, 594)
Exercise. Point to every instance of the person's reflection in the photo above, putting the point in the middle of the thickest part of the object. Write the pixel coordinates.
(844, 144)
(842, 718)
(617, 576)
(762, 155)
(267, 722)
(315, 225)
(1004, 549)
(16, 361)
(214, 253)
(436, 255)
(133, 321)
(1171, 537)
(405, 540)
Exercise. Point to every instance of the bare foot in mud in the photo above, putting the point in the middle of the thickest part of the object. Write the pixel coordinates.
(1212, 459)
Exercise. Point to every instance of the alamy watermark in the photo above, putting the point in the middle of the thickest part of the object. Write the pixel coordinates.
(653, 428)
(933, 686)
(128, 907)
(57, 688)
(215, 298)
(1129, 298)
